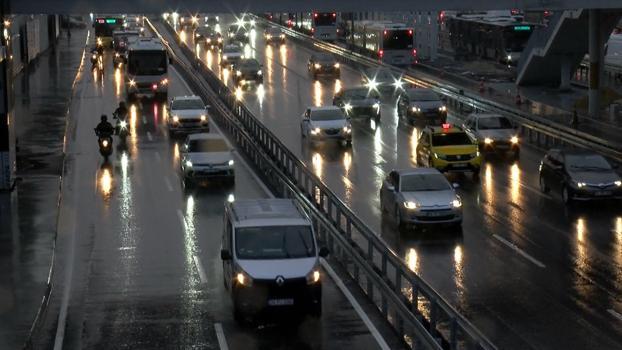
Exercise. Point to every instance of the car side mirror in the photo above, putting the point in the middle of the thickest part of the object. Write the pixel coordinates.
(455, 185)
(323, 252)
(225, 254)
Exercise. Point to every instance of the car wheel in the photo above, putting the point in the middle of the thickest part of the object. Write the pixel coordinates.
(543, 187)
(566, 195)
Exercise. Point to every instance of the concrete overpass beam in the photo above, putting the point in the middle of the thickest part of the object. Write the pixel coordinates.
(596, 52)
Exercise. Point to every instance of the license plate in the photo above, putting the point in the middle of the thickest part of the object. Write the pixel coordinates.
(603, 193)
(280, 302)
(460, 165)
(436, 213)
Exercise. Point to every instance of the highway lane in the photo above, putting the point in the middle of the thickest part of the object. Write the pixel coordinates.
(147, 269)
(527, 271)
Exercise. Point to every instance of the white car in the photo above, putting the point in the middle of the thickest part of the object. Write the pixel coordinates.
(187, 114)
(420, 196)
(326, 123)
(231, 55)
(494, 133)
(206, 157)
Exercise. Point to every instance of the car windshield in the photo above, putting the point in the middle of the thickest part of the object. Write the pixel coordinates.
(329, 114)
(187, 104)
(423, 182)
(359, 94)
(380, 75)
(451, 139)
(494, 123)
(422, 95)
(587, 162)
(232, 49)
(274, 242)
(208, 145)
(325, 59)
(274, 31)
(250, 65)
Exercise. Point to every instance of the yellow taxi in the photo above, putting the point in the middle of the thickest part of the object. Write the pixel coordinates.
(449, 149)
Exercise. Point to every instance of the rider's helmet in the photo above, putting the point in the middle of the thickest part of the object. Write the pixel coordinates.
(104, 118)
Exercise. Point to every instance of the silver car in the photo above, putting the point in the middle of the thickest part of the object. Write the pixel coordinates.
(206, 157)
(420, 196)
(326, 123)
(494, 133)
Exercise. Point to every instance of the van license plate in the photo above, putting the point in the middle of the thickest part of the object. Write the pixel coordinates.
(280, 302)
(603, 193)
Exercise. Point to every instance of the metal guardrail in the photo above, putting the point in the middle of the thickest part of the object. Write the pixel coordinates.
(535, 129)
(417, 313)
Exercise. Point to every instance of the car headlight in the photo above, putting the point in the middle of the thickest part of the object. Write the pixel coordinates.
(224, 57)
(268, 36)
(416, 109)
(116, 54)
(456, 203)
(203, 117)
(94, 56)
(337, 65)
(347, 129)
(132, 82)
(259, 72)
(514, 139)
(410, 205)
(175, 119)
(487, 140)
(164, 82)
(580, 184)
(440, 156)
(219, 40)
(282, 36)
(509, 58)
(317, 66)
(347, 107)
(313, 276)
(315, 131)
(243, 279)
(189, 164)
(618, 183)
(238, 73)
(442, 108)
(231, 162)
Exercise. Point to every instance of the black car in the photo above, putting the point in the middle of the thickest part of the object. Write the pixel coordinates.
(579, 175)
(359, 102)
(421, 105)
(323, 64)
(248, 71)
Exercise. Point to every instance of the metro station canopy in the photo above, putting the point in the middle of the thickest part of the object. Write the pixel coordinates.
(258, 6)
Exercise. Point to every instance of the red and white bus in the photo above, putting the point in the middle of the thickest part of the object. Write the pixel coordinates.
(324, 25)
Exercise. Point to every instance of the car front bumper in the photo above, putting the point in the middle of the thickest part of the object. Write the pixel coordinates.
(459, 166)
(264, 296)
(590, 193)
(331, 135)
(430, 117)
(449, 216)
(210, 173)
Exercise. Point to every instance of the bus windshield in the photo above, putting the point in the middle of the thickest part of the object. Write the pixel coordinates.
(401, 39)
(147, 62)
(324, 19)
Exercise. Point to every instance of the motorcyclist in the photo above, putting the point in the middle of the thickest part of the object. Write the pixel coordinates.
(121, 111)
(104, 128)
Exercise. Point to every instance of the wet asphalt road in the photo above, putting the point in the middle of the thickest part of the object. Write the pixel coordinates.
(526, 270)
(140, 244)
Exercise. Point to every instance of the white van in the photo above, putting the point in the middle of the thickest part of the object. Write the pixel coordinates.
(271, 258)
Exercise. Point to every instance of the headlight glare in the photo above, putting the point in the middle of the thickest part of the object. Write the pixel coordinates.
(410, 205)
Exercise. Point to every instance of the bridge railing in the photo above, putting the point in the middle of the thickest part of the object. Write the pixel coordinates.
(417, 313)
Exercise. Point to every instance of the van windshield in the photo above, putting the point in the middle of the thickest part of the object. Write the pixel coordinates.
(274, 242)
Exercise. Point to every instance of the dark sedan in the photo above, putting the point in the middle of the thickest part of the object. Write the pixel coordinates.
(579, 175)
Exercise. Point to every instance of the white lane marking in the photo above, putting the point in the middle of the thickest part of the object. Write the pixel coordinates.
(144, 119)
(149, 136)
(615, 314)
(181, 217)
(242, 160)
(357, 307)
(220, 335)
(519, 251)
(168, 184)
(158, 157)
(202, 275)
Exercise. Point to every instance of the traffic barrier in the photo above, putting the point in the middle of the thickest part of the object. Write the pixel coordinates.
(419, 315)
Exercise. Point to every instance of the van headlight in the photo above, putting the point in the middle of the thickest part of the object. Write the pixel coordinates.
(440, 156)
(314, 276)
(243, 279)
(410, 205)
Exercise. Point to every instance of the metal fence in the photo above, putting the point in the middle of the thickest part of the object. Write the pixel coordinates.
(417, 313)
(534, 129)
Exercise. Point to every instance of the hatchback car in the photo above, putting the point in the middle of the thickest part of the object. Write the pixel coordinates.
(494, 133)
(248, 71)
(420, 196)
(270, 259)
(231, 55)
(187, 114)
(359, 102)
(323, 64)
(206, 157)
(274, 35)
(421, 106)
(326, 123)
(448, 149)
(209, 38)
(579, 175)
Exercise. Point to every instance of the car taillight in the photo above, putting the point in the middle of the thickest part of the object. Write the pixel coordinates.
(312, 30)
(154, 86)
(381, 53)
(414, 52)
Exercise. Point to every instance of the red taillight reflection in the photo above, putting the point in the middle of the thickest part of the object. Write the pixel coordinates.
(334, 14)
(381, 53)
(385, 32)
(315, 15)
(446, 125)
(410, 32)
(414, 52)
(154, 86)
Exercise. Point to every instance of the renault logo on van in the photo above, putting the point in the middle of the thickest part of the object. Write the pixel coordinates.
(280, 280)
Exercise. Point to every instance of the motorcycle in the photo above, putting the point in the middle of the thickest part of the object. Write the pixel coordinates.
(105, 146)
(97, 60)
(122, 129)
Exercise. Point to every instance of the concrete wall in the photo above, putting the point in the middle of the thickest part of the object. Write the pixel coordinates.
(30, 36)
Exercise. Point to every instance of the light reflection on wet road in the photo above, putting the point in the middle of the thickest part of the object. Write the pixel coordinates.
(484, 278)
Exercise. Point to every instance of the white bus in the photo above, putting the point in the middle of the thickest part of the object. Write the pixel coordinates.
(324, 25)
(392, 43)
(146, 72)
